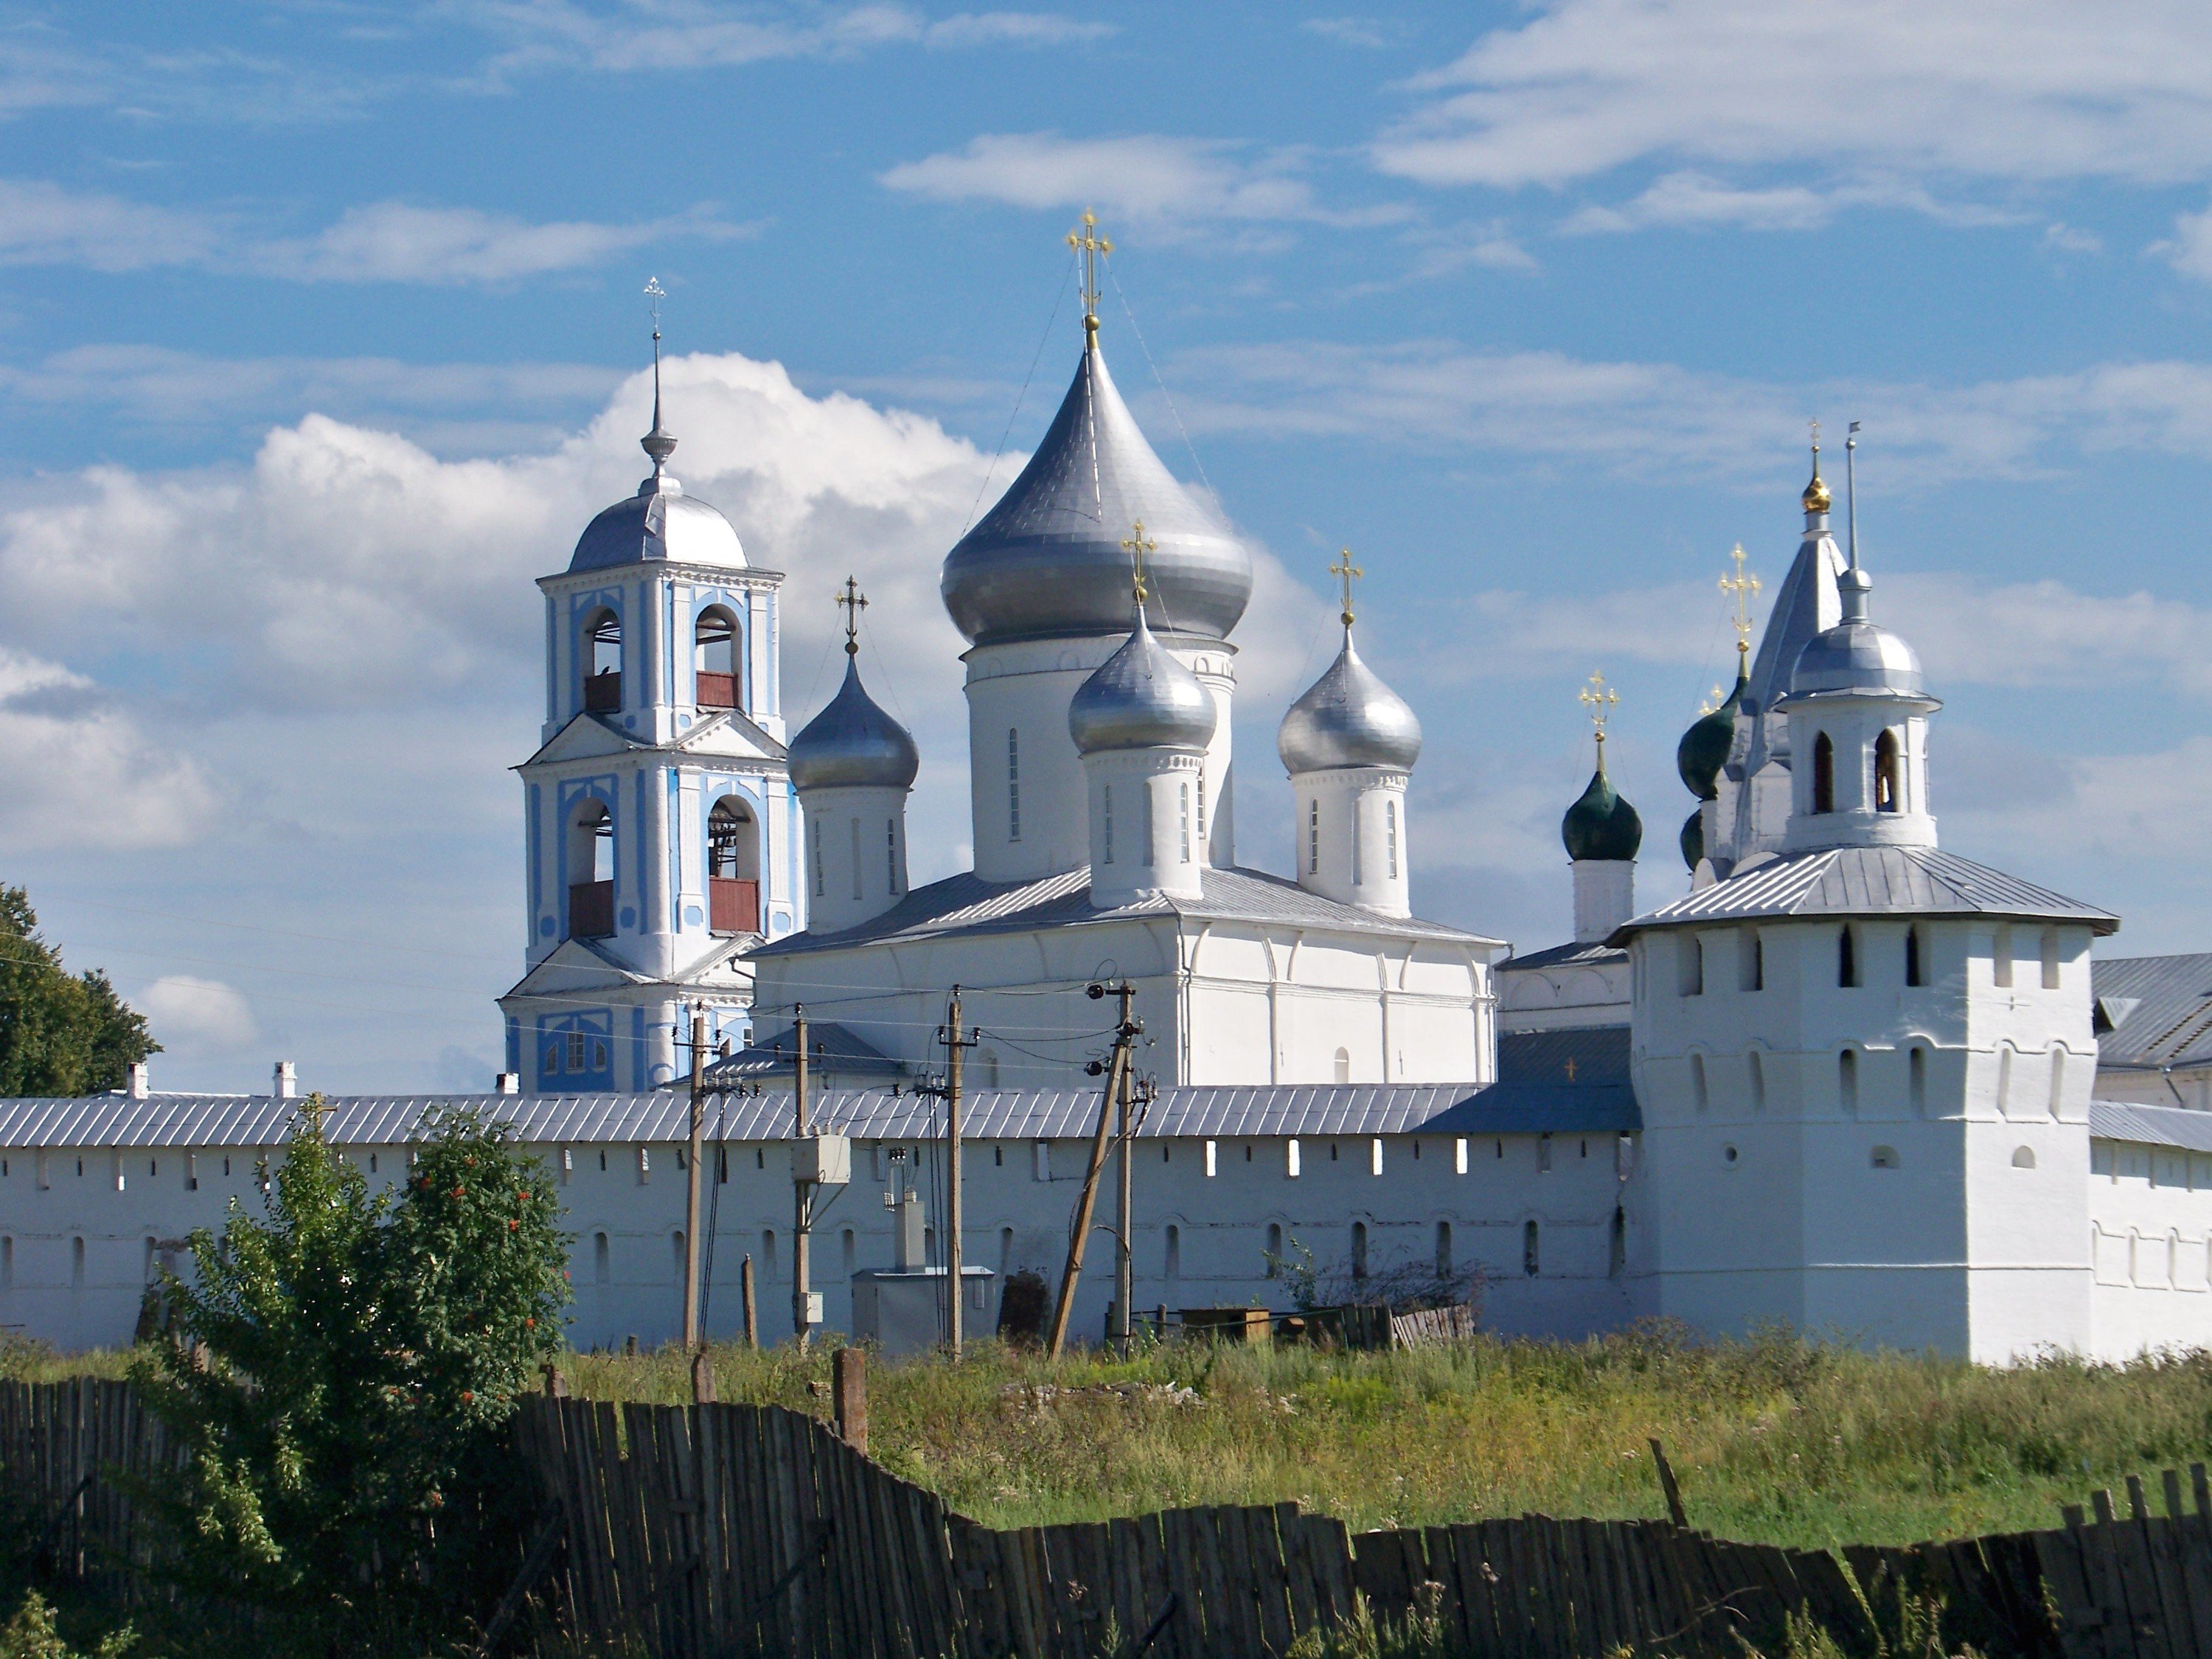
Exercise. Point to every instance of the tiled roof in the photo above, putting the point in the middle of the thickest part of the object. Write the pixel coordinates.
(1863, 881)
(2152, 1011)
(966, 904)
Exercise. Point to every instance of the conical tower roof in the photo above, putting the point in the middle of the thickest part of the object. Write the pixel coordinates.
(1049, 561)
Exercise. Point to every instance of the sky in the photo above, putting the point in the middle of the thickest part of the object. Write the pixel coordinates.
(322, 336)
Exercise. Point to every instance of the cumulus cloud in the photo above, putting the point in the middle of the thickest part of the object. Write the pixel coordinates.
(1153, 178)
(2189, 250)
(1989, 89)
(187, 1011)
(82, 772)
(43, 224)
(1698, 200)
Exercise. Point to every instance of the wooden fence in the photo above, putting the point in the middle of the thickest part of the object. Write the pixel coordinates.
(734, 1530)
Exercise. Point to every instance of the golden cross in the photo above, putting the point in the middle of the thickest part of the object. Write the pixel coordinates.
(1715, 697)
(1571, 1068)
(1600, 699)
(852, 602)
(1740, 588)
(1344, 570)
(1816, 437)
(1137, 545)
(1092, 247)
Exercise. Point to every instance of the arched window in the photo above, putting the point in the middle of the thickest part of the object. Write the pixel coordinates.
(1823, 775)
(1757, 1064)
(1183, 810)
(1106, 824)
(1359, 1250)
(1530, 1260)
(1390, 828)
(1014, 784)
(603, 662)
(1847, 1079)
(1275, 1256)
(1313, 838)
(1751, 961)
(890, 857)
(1616, 1256)
(715, 658)
(733, 867)
(1171, 1260)
(852, 1251)
(1344, 1064)
(1913, 957)
(1888, 786)
(2023, 1157)
(1201, 805)
(1444, 1249)
(1917, 1080)
(1699, 1091)
(1847, 958)
(590, 871)
(603, 1271)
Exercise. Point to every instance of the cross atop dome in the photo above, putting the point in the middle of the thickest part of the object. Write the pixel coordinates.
(1344, 570)
(657, 443)
(852, 602)
(1138, 546)
(1600, 700)
(1091, 247)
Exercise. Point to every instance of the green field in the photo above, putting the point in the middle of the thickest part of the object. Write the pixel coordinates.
(1776, 1440)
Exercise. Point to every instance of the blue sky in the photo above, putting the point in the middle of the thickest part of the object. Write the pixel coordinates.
(320, 332)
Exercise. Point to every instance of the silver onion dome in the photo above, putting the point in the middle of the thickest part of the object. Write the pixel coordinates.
(1348, 717)
(659, 523)
(1050, 559)
(853, 745)
(1140, 697)
(1855, 655)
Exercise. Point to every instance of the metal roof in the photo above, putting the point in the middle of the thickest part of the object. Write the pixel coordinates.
(2152, 1011)
(1221, 1111)
(2152, 1126)
(1869, 881)
(1573, 954)
(1587, 1054)
(966, 903)
(835, 1049)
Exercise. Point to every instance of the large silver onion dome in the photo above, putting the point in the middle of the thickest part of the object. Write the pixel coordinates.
(853, 745)
(1140, 697)
(659, 523)
(1049, 561)
(1348, 717)
(1855, 655)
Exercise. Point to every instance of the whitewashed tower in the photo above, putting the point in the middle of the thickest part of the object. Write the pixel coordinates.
(1349, 745)
(852, 766)
(661, 829)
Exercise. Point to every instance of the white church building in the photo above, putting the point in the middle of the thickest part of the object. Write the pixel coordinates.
(1843, 1078)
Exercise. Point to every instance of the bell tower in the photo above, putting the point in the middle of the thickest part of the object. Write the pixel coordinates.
(661, 831)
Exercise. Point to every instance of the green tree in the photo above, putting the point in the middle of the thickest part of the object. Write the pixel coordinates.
(60, 1033)
(344, 1371)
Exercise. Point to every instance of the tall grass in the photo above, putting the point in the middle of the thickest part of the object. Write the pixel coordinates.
(1778, 1439)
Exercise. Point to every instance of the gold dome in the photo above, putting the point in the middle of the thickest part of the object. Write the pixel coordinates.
(1816, 497)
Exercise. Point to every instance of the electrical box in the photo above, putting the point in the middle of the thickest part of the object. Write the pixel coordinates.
(814, 1308)
(823, 1160)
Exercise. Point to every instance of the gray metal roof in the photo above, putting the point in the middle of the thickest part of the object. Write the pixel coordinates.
(1221, 1111)
(1049, 559)
(1869, 881)
(2152, 1011)
(838, 1050)
(1140, 697)
(1572, 954)
(660, 522)
(965, 903)
(2151, 1125)
(1348, 717)
(1587, 1054)
(852, 743)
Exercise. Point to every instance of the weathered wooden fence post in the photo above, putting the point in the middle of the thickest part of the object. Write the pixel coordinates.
(848, 1371)
(752, 1319)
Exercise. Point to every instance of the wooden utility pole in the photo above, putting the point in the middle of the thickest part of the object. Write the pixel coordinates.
(803, 1198)
(955, 1046)
(752, 1314)
(1124, 1272)
(1117, 1073)
(691, 1187)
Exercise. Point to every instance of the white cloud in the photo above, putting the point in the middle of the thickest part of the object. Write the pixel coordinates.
(2009, 90)
(1699, 201)
(1153, 178)
(1012, 29)
(1371, 33)
(43, 224)
(187, 1011)
(82, 772)
(2190, 252)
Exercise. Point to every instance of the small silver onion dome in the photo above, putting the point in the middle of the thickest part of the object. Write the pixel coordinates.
(1140, 697)
(659, 523)
(1050, 559)
(1348, 717)
(852, 744)
(1855, 655)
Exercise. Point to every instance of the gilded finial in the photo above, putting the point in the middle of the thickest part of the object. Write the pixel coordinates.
(1086, 241)
(1713, 700)
(1816, 498)
(1740, 588)
(852, 602)
(1600, 700)
(657, 443)
(1344, 570)
(1137, 545)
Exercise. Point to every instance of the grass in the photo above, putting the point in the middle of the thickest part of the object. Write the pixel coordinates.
(1777, 1440)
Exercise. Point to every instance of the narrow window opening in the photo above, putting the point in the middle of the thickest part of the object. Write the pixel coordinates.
(1106, 814)
(1145, 825)
(1344, 1066)
(1823, 775)
(1390, 828)
(733, 867)
(1913, 957)
(857, 892)
(1530, 1260)
(1359, 877)
(715, 658)
(1359, 1250)
(1616, 1256)
(2001, 955)
(1171, 1263)
(1698, 1090)
(1444, 1249)
(1183, 808)
(602, 1260)
(1888, 794)
(603, 661)
(1014, 784)
(1313, 838)
(2057, 1079)
(1847, 958)
(1690, 965)
(852, 1250)
(821, 876)
(1751, 961)
(890, 857)
(2004, 1079)
(2051, 958)
(1274, 1256)
(1847, 1079)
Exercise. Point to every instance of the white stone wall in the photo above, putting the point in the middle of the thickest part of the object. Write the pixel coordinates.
(2149, 1218)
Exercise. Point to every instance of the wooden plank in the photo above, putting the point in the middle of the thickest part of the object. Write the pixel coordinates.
(1305, 1596)
(2061, 1555)
(1239, 1578)
(1478, 1589)
(1178, 1561)
(1228, 1627)
(1270, 1578)
(1152, 1583)
(983, 1600)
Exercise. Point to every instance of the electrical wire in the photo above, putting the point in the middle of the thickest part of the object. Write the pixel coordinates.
(1059, 299)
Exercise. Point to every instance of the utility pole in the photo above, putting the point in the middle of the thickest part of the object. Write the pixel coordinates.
(1124, 1272)
(1117, 1072)
(691, 1187)
(802, 1229)
(955, 1045)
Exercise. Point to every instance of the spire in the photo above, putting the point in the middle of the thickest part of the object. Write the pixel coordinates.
(1816, 498)
(657, 443)
(1087, 242)
(1851, 490)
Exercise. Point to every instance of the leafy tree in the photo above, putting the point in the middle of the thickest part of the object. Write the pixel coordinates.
(60, 1034)
(31, 1634)
(344, 1371)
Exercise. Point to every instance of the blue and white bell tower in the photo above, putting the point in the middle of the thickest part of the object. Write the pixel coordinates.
(662, 833)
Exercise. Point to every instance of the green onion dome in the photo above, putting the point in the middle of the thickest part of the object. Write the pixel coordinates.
(1693, 839)
(1601, 825)
(1705, 747)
